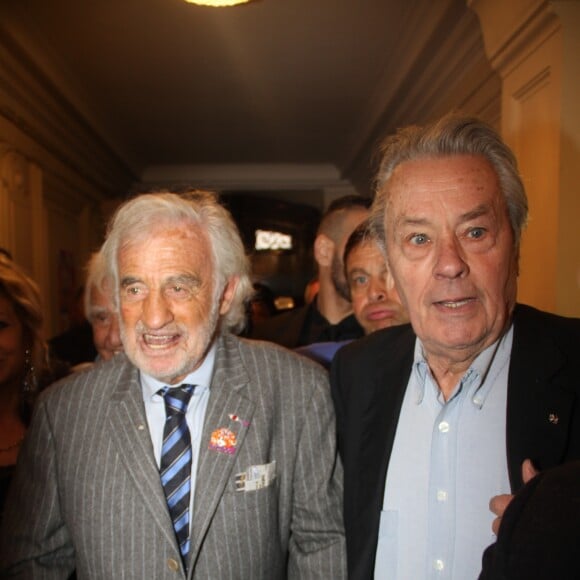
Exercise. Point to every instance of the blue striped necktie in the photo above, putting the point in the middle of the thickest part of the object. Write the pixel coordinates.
(175, 467)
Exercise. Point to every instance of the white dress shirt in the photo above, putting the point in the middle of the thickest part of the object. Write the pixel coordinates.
(195, 415)
(448, 460)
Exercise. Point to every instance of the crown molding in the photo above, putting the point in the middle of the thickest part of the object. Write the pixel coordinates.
(514, 30)
(446, 70)
(259, 177)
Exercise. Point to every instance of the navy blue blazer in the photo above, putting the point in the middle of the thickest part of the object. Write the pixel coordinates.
(368, 381)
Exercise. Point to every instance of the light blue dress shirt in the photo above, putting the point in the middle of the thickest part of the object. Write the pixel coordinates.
(448, 460)
(195, 415)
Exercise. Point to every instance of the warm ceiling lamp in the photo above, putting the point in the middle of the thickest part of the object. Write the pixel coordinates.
(218, 3)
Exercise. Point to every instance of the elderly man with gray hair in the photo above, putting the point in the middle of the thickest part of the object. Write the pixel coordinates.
(464, 403)
(195, 454)
(99, 309)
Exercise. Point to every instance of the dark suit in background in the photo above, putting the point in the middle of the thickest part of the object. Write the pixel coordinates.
(74, 346)
(305, 325)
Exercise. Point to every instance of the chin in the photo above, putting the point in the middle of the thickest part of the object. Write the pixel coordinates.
(168, 376)
(383, 324)
(162, 370)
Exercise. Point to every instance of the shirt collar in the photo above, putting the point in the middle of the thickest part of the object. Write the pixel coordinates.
(201, 377)
(479, 378)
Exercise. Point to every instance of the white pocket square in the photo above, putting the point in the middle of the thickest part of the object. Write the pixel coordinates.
(256, 477)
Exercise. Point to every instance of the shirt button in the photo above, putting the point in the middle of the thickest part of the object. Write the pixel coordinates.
(439, 565)
(173, 565)
(441, 495)
(443, 426)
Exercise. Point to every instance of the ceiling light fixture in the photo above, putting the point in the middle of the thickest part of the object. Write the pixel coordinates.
(218, 3)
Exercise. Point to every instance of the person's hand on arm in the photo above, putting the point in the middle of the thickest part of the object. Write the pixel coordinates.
(499, 503)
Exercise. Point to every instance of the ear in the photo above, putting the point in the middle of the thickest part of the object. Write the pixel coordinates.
(517, 261)
(323, 250)
(228, 294)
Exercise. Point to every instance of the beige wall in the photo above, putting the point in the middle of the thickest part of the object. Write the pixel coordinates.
(41, 222)
(531, 125)
(55, 175)
(534, 45)
(568, 271)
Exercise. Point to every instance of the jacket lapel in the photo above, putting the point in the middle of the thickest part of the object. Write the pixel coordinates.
(130, 433)
(381, 407)
(228, 416)
(540, 403)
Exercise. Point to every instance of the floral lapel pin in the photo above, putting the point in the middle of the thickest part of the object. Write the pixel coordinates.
(223, 440)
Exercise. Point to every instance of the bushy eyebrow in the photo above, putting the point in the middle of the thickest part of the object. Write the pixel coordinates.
(128, 281)
(480, 210)
(410, 221)
(184, 279)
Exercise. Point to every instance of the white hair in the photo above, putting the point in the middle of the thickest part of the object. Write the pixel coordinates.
(144, 213)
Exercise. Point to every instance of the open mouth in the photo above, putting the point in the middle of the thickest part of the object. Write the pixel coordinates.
(455, 304)
(159, 342)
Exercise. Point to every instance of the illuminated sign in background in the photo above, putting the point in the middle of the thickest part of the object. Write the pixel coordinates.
(267, 240)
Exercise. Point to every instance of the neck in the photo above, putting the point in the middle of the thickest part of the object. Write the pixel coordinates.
(447, 378)
(331, 305)
(9, 400)
(447, 371)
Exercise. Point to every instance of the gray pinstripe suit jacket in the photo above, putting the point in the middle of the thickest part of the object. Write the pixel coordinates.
(87, 491)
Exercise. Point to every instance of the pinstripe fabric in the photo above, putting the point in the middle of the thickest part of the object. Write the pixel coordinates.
(87, 487)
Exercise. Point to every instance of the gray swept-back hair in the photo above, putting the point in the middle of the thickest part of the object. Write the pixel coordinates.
(451, 135)
(139, 216)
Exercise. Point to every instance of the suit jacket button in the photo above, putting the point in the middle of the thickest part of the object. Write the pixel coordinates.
(173, 565)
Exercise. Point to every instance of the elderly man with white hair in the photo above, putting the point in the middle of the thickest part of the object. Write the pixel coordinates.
(196, 454)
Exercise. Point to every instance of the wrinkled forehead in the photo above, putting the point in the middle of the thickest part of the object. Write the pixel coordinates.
(179, 233)
(457, 183)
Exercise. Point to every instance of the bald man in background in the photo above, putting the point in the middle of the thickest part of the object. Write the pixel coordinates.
(329, 317)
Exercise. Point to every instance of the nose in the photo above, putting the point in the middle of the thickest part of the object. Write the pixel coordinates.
(156, 312)
(377, 290)
(450, 260)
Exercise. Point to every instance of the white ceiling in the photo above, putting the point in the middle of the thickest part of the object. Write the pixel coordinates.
(172, 87)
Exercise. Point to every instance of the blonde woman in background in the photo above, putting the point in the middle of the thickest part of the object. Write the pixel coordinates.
(24, 367)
